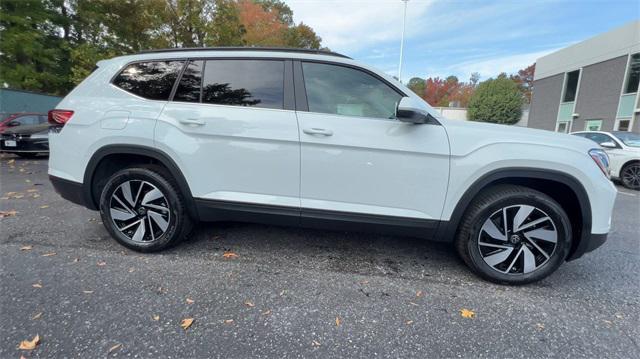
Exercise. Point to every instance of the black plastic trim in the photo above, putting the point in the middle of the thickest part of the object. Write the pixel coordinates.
(69, 190)
(300, 90)
(289, 102)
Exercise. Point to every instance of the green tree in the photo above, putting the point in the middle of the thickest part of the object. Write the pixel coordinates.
(496, 100)
(302, 36)
(417, 85)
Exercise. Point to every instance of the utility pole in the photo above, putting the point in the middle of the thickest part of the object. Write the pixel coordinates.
(404, 22)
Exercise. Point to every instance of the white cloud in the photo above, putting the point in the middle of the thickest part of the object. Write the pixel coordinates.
(490, 67)
(349, 26)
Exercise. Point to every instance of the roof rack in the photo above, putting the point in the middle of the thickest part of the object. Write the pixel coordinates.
(230, 48)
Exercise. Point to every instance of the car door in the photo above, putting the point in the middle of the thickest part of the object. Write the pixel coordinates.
(232, 128)
(359, 162)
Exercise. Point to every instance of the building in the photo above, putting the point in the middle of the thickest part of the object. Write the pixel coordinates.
(13, 101)
(592, 85)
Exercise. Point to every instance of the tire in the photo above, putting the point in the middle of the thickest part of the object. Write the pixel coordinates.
(517, 257)
(153, 201)
(27, 154)
(630, 175)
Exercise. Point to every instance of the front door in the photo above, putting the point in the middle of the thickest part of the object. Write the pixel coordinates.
(357, 160)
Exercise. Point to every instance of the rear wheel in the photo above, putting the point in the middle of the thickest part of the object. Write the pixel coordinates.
(514, 235)
(630, 176)
(142, 209)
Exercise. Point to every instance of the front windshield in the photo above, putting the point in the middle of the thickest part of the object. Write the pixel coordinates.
(628, 138)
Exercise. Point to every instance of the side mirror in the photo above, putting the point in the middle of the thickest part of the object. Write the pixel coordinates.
(409, 110)
(608, 144)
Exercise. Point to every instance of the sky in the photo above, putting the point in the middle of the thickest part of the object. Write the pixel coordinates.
(458, 37)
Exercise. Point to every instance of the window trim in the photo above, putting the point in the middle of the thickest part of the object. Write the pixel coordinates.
(566, 82)
(586, 124)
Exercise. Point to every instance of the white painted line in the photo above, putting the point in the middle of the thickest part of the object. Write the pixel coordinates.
(628, 194)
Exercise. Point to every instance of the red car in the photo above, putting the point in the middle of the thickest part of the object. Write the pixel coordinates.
(21, 119)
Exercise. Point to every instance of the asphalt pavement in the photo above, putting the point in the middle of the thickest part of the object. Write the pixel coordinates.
(289, 292)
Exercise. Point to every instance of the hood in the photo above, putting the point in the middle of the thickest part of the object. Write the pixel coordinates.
(27, 130)
(466, 136)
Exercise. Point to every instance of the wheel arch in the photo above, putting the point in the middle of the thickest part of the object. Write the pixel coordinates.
(562, 187)
(120, 156)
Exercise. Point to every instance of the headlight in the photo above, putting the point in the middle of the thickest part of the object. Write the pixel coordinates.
(601, 159)
(40, 135)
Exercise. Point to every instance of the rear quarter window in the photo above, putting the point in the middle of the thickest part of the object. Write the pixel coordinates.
(152, 80)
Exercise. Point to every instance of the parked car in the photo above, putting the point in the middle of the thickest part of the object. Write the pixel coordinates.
(159, 140)
(26, 141)
(623, 149)
(21, 119)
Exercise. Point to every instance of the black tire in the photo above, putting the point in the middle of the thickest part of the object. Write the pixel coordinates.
(27, 154)
(490, 205)
(630, 175)
(178, 224)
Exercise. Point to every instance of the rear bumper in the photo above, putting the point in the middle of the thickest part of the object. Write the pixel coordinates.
(26, 145)
(69, 190)
(588, 244)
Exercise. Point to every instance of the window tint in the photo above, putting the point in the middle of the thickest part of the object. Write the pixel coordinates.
(571, 86)
(345, 91)
(633, 74)
(258, 83)
(189, 86)
(152, 80)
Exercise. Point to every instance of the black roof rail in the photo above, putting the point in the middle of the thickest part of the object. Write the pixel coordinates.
(230, 48)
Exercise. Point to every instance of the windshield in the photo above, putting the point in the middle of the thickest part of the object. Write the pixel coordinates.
(628, 138)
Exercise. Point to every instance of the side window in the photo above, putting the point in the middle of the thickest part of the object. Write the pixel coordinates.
(28, 120)
(190, 83)
(345, 91)
(256, 83)
(151, 80)
(599, 138)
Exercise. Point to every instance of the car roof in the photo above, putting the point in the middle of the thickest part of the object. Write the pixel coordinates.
(250, 49)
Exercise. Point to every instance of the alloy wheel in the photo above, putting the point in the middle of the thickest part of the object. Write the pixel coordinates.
(140, 211)
(517, 239)
(631, 176)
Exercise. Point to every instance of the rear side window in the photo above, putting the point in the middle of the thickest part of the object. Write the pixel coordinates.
(152, 80)
(28, 120)
(190, 83)
(256, 83)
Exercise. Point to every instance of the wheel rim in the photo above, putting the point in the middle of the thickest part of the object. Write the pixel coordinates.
(140, 211)
(517, 239)
(631, 176)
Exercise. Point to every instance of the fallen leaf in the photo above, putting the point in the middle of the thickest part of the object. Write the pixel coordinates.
(100, 264)
(619, 316)
(29, 344)
(315, 343)
(364, 282)
(466, 313)
(44, 206)
(539, 326)
(338, 321)
(230, 255)
(266, 312)
(186, 323)
(50, 254)
(28, 181)
(37, 316)
(37, 285)
(228, 321)
(11, 161)
(412, 303)
(190, 301)
(35, 195)
(7, 213)
(131, 270)
(26, 248)
(75, 260)
(32, 190)
(114, 348)
(282, 293)
(409, 322)
(156, 317)
(87, 291)
(249, 304)
(419, 294)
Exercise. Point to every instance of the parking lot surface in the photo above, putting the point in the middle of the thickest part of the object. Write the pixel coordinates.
(292, 292)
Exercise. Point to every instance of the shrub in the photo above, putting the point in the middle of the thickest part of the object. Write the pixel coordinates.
(497, 101)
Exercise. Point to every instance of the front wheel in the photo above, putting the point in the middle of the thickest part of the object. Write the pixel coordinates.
(514, 235)
(142, 209)
(630, 176)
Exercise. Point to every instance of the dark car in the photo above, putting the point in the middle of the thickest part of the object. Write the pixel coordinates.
(21, 119)
(26, 140)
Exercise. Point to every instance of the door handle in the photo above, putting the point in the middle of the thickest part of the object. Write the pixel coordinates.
(317, 131)
(191, 122)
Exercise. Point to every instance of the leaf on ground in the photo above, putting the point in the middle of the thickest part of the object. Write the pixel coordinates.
(315, 343)
(35, 195)
(228, 321)
(44, 206)
(412, 303)
(338, 321)
(10, 213)
(101, 264)
(282, 293)
(230, 255)
(539, 326)
(419, 294)
(156, 317)
(619, 316)
(249, 304)
(364, 282)
(37, 316)
(26, 248)
(409, 322)
(115, 347)
(12, 161)
(190, 301)
(466, 313)
(37, 285)
(131, 270)
(186, 323)
(50, 254)
(33, 190)
(29, 344)
(28, 181)
(75, 260)
(266, 312)
(87, 291)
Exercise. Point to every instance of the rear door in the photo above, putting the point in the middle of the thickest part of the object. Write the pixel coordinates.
(232, 128)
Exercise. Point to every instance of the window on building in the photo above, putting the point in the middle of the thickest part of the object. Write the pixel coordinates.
(152, 80)
(593, 125)
(341, 90)
(571, 86)
(563, 127)
(255, 83)
(633, 74)
(189, 86)
(623, 125)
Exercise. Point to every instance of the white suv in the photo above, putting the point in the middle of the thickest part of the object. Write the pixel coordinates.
(160, 140)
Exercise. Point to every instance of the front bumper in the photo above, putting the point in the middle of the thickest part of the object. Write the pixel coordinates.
(25, 145)
(587, 244)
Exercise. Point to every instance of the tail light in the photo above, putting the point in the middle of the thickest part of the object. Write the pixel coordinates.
(59, 117)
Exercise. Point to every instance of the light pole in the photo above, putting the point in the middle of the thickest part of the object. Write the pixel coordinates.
(404, 22)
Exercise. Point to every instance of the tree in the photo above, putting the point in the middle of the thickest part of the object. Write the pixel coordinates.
(262, 28)
(302, 36)
(417, 85)
(496, 100)
(524, 80)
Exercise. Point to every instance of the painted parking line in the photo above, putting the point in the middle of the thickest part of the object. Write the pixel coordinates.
(628, 194)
